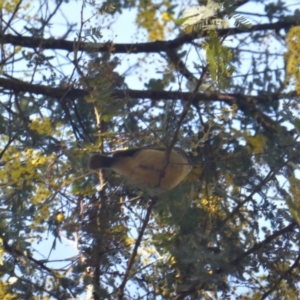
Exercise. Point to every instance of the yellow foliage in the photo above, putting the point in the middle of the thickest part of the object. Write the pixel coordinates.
(256, 143)
(83, 191)
(166, 293)
(173, 260)
(4, 294)
(148, 18)
(292, 57)
(118, 229)
(41, 215)
(1, 254)
(211, 205)
(21, 166)
(41, 195)
(42, 126)
(10, 296)
(129, 241)
(253, 296)
(157, 33)
(293, 201)
(60, 217)
(167, 17)
(9, 5)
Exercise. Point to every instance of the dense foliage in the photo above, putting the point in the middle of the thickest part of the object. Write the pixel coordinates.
(223, 86)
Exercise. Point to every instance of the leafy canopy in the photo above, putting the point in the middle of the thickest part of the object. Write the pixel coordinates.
(77, 79)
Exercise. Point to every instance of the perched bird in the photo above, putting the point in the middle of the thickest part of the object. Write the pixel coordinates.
(146, 166)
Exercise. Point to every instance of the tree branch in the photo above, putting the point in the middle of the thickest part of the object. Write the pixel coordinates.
(283, 276)
(135, 248)
(75, 93)
(151, 47)
(244, 102)
(260, 245)
(196, 286)
(13, 251)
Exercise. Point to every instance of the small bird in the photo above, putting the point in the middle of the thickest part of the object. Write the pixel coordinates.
(146, 166)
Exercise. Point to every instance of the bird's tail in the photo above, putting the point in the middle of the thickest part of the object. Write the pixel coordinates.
(98, 161)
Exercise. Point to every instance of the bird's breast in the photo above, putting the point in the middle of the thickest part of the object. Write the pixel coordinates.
(150, 167)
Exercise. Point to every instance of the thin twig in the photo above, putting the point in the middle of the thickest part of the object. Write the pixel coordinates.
(283, 276)
(136, 246)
